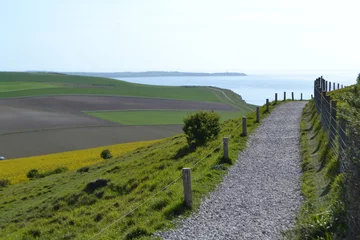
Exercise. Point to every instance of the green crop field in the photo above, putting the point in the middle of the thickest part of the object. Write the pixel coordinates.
(39, 84)
(19, 86)
(154, 117)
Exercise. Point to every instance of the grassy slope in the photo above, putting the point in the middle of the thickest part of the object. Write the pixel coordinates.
(151, 117)
(321, 214)
(57, 206)
(67, 84)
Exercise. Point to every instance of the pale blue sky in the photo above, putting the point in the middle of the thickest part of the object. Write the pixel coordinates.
(185, 35)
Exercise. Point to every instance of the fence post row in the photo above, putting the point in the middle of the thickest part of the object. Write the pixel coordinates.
(275, 98)
(257, 115)
(284, 96)
(186, 173)
(328, 115)
(267, 105)
(292, 96)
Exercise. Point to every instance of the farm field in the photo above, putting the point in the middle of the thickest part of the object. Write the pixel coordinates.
(18, 86)
(34, 143)
(154, 117)
(44, 113)
(15, 170)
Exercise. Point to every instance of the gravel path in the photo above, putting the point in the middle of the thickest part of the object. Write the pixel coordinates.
(260, 195)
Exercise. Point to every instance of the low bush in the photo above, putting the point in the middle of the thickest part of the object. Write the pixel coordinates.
(35, 174)
(83, 169)
(200, 127)
(106, 154)
(4, 182)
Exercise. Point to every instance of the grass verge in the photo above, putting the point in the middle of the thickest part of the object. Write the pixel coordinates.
(322, 213)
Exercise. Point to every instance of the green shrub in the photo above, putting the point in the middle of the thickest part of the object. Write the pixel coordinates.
(201, 127)
(83, 169)
(4, 182)
(106, 154)
(33, 174)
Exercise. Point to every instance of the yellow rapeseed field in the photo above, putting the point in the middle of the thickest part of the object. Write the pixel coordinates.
(15, 170)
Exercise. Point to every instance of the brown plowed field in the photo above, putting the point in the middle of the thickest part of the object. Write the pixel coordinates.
(42, 125)
(60, 140)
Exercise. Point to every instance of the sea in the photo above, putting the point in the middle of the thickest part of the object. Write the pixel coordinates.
(255, 89)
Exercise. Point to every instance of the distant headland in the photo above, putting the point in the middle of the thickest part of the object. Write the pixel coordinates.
(154, 74)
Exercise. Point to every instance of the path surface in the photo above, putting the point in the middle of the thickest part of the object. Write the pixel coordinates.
(260, 195)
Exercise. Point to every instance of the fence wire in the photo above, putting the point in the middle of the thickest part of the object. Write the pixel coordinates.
(95, 236)
(344, 140)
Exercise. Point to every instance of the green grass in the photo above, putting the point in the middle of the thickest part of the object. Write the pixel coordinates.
(70, 85)
(322, 212)
(18, 86)
(61, 206)
(154, 117)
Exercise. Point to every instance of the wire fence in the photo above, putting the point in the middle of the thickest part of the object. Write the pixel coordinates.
(344, 141)
(193, 165)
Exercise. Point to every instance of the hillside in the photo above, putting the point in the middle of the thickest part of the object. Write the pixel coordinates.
(154, 74)
(20, 84)
(73, 205)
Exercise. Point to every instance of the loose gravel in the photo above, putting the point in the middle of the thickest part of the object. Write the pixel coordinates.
(260, 195)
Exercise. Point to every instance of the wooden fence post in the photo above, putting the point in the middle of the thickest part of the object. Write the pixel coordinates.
(312, 96)
(284, 96)
(334, 86)
(326, 86)
(257, 114)
(301, 97)
(342, 86)
(333, 113)
(226, 148)
(329, 86)
(338, 86)
(292, 96)
(275, 98)
(267, 105)
(244, 127)
(186, 172)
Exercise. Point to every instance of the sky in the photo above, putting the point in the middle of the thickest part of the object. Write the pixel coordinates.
(183, 35)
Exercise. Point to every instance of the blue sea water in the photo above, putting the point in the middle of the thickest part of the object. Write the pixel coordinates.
(254, 89)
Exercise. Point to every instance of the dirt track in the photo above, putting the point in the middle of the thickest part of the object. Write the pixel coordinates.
(41, 125)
